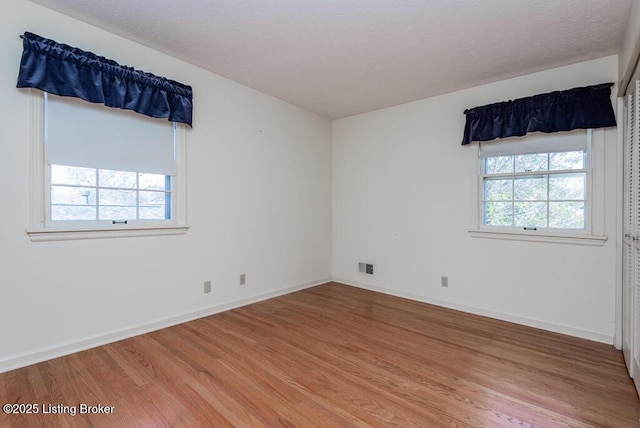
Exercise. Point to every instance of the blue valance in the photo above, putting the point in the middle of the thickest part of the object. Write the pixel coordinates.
(67, 71)
(578, 108)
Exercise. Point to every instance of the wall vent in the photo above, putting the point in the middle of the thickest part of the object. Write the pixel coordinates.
(365, 268)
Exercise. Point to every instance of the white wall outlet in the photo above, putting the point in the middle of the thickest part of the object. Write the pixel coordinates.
(444, 281)
(243, 278)
(207, 287)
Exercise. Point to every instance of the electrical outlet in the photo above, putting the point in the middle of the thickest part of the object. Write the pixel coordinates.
(243, 278)
(207, 287)
(444, 281)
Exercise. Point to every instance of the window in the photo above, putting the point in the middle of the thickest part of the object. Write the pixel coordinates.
(538, 190)
(103, 172)
(92, 194)
(537, 185)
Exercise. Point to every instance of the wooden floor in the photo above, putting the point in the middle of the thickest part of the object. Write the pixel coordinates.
(333, 356)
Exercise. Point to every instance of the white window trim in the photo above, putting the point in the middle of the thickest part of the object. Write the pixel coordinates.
(37, 231)
(593, 237)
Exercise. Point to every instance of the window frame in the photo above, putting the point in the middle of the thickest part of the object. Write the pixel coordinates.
(591, 235)
(39, 194)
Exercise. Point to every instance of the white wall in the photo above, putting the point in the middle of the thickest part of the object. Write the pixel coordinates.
(402, 198)
(259, 197)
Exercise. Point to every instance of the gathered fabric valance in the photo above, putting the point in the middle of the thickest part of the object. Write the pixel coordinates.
(578, 108)
(67, 71)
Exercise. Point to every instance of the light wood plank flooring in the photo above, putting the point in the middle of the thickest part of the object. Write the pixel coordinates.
(334, 356)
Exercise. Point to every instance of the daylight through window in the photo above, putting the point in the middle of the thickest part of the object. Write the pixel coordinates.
(99, 194)
(536, 188)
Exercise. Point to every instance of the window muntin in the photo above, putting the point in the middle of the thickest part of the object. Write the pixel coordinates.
(537, 190)
(92, 194)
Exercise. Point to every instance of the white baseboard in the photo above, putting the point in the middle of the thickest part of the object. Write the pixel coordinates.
(543, 325)
(23, 360)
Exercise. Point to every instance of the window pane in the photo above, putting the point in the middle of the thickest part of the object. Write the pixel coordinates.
(73, 195)
(567, 160)
(152, 198)
(530, 214)
(530, 188)
(498, 190)
(567, 187)
(117, 204)
(153, 205)
(72, 203)
(118, 197)
(498, 165)
(117, 213)
(73, 175)
(153, 181)
(566, 215)
(152, 213)
(121, 179)
(535, 162)
(498, 213)
(69, 212)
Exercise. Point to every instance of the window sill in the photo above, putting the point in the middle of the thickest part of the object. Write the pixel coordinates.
(590, 240)
(41, 235)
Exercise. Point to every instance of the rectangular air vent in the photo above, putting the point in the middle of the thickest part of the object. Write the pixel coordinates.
(365, 268)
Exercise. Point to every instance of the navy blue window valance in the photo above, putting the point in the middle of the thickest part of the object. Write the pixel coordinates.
(67, 71)
(578, 108)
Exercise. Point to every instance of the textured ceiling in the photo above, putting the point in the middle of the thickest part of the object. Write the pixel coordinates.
(343, 57)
